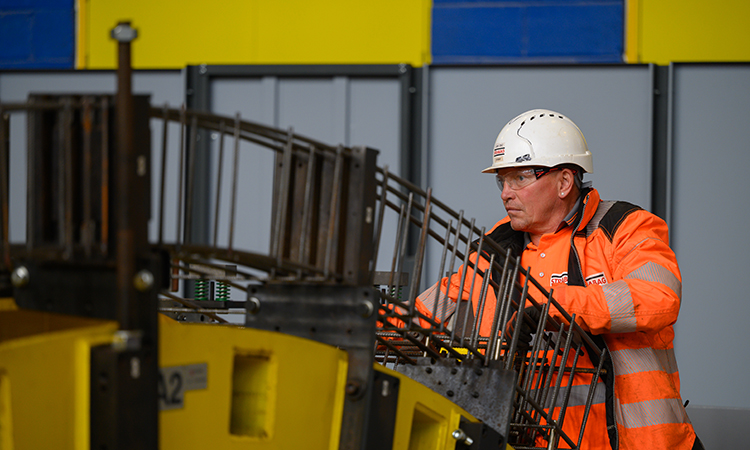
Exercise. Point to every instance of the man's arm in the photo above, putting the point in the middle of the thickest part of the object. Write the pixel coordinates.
(645, 292)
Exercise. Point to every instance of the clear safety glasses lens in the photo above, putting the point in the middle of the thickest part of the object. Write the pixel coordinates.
(518, 179)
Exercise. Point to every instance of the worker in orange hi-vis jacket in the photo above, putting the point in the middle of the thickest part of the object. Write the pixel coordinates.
(609, 263)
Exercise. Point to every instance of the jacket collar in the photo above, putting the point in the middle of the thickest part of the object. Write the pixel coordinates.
(588, 202)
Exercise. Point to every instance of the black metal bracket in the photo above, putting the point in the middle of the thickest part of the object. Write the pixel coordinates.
(124, 408)
(485, 392)
(380, 430)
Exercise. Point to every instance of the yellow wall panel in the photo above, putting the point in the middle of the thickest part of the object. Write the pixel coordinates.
(175, 33)
(632, 30)
(691, 31)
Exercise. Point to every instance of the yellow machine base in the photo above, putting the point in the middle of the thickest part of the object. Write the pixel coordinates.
(222, 387)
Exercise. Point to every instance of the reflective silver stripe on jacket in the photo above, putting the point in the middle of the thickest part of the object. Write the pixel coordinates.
(620, 304)
(601, 211)
(651, 412)
(643, 360)
(578, 395)
(445, 306)
(620, 301)
(654, 272)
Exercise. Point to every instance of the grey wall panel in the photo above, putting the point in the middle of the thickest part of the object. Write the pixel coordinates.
(720, 428)
(163, 86)
(709, 231)
(374, 120)
(15, 86)
(314, 107)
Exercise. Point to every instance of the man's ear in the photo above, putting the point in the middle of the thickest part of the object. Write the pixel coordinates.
(566, 183)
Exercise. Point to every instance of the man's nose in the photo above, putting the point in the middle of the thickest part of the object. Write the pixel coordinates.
(506, 193)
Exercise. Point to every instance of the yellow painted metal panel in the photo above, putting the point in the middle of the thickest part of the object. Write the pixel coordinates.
(6, 415)
(424, 418)
(7, 304)
(302, 387)
(44, 359)
(693, 31)
(632, 30)
(82, 28)
(175, 33)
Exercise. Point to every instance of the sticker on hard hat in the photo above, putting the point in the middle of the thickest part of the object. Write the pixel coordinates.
(523, 158)
(499, 151)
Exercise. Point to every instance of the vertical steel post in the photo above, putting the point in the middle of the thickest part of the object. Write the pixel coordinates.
(124, 175)
(5, 186)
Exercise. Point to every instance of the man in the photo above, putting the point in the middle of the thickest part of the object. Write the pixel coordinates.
(609, 263)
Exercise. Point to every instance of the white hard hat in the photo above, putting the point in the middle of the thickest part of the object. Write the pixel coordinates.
(540, 137)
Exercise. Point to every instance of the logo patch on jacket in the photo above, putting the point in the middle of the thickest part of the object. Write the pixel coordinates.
(562, 278)
(597, 278)
(558, 278)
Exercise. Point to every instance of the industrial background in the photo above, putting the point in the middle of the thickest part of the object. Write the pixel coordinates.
(659, 88)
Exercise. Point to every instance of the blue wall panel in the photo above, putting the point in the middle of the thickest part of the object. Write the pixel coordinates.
(37, 34)
(470, 31)
(474, 31)
(15, 36)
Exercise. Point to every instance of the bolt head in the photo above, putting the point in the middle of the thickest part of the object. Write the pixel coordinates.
(20, 277)
(367, 309)
(123, 32)
(352, 388)
(253, 305)
(144, 280)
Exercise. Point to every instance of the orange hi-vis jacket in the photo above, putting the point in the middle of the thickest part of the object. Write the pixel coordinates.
(620, 278)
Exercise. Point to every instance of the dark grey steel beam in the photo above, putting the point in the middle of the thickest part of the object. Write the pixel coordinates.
(661, 140)
(198, 97)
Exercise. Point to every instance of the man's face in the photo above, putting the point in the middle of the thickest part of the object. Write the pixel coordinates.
(530, 207)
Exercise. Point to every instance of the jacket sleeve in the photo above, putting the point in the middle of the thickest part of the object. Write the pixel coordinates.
(471, 280)
(646, 287)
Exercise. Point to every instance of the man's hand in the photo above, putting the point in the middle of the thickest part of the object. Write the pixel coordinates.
(531, 315)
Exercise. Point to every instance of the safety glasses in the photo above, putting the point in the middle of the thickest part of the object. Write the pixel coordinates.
(520, 178)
